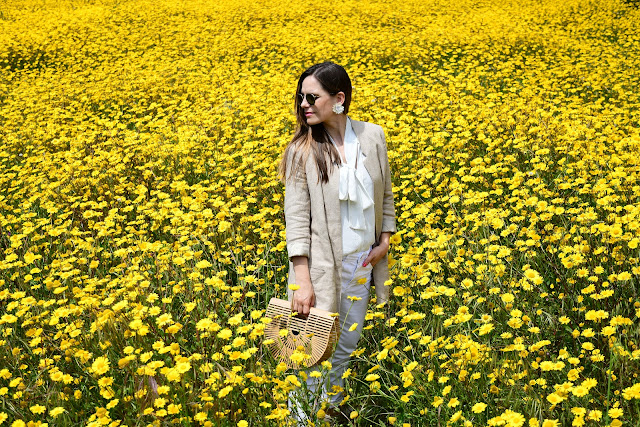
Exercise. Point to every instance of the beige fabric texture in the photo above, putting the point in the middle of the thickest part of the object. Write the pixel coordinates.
(313, 222)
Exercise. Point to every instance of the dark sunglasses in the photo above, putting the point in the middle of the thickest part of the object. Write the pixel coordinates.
(311, 98)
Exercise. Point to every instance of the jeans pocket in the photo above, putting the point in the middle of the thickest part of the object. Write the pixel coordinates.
(369, 265)
(363, 275)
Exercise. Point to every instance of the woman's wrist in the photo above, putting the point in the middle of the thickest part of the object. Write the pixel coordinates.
(384, 241)
(301, 270)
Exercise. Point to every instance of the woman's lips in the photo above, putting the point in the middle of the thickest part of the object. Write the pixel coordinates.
(308, 113)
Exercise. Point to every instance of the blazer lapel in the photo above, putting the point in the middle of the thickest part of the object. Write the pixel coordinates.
(373, 166)
(368, 149)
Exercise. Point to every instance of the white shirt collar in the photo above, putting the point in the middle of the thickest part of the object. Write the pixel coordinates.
(351, 144)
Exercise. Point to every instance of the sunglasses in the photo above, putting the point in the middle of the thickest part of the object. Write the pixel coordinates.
(311, 98)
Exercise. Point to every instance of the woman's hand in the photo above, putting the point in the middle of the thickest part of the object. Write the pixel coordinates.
(304, 296)
(378, 252)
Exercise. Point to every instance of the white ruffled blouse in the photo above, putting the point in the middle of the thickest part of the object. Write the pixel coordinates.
(356, 197)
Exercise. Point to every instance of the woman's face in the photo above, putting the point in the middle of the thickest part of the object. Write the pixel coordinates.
(321, 110)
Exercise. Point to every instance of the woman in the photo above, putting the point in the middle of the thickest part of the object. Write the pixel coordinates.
(339, 211)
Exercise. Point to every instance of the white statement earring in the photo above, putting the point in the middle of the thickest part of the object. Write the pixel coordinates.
(338, 108)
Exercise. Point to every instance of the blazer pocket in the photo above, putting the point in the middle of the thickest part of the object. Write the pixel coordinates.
(316, 273)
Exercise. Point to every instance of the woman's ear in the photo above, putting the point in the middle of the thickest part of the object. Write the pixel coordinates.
(340, 97)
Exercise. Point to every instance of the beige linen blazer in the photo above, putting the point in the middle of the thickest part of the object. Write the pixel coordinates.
(313, 221)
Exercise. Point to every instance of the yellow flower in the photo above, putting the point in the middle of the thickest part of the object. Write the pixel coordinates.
(38, 409)
(100, 366)
(485, 329)
(531, 274)
(405, 398)
(478, 407)
(293, 380)
(172, 375)
(608, 331)
(203, 264)
(580, 391)
(507, 298)
(54, 412)
(596, 315)
(632, 392)
(30, 257)
(615, 412)
(437, 401)
(183, 367)
(200, 416)
(225, 334)
(299, 356)
(595, 415)
(105, 381)
(225, 391)
(513, 418)
(554, 398)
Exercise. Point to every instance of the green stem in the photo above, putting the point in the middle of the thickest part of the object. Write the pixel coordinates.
(609, 373)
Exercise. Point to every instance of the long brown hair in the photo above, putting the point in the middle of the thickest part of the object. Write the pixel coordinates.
(309, 139)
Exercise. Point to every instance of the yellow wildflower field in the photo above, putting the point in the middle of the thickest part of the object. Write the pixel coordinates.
(142, 231)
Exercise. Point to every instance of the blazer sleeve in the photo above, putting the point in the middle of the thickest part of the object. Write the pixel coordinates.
(297, 209)
(388, 208)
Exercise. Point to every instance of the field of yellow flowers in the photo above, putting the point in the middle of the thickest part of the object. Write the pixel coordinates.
(141, 215)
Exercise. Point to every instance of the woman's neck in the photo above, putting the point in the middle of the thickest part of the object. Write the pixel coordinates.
(336, 127)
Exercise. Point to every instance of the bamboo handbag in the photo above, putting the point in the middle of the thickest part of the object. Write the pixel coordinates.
(310, 341)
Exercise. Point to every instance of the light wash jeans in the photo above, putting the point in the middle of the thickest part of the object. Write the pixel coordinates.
(356, 281)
